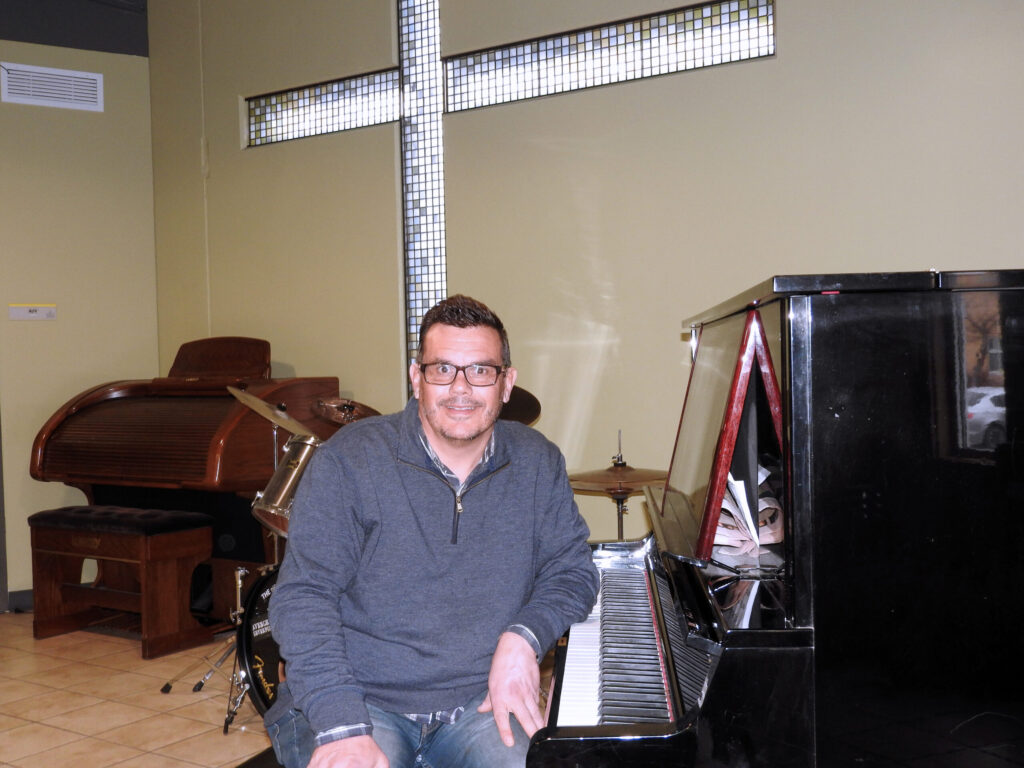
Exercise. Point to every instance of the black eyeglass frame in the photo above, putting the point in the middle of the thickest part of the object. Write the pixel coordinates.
(498, 371)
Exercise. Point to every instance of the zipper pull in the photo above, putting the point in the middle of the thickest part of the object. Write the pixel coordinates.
(455, 519)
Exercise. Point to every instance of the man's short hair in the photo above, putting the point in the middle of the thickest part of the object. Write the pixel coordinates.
(463, 312)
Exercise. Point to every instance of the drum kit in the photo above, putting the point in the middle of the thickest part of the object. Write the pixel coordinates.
(258, 667)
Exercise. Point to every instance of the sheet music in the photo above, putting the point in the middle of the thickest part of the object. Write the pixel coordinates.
(738, 490)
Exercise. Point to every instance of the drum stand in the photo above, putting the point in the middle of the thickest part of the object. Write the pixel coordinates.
(216, 658)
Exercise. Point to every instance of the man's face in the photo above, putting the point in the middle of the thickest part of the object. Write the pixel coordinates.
(459, 413)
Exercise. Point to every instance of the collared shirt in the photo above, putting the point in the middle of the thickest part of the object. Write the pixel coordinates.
(451, 477)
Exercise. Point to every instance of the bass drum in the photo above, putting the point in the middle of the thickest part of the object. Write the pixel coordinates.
(259, 660)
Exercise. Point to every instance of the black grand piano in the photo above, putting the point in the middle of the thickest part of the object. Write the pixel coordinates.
(865, 427)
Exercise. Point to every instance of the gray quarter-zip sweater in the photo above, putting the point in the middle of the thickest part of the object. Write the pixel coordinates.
(377, 600)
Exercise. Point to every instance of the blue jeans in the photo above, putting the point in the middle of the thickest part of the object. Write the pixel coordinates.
(472, 742)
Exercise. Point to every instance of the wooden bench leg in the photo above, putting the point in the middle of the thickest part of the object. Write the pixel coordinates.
(138, 571)
(167, 620)
(55, 613)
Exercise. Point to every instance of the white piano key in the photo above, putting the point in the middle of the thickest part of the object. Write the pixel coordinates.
(579, 703)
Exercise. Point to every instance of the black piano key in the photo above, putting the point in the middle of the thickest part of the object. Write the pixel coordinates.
(631, 687)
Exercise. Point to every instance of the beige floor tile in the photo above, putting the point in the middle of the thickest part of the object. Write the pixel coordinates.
(31, 739)
(92, 753)
(153, 698)
(39, 708)
(8, 652)
(19, 643)
(215, 748)
(115, 686)
(153, 760)
(25, 664)
(65, 641)
(17, 625)
(16, 690)
(179, 672)
(158, 731)
(88, 700)
(67, 675)
(8, 722)
(94, 646)
(215, 708)
(126, 660)
(101, 717)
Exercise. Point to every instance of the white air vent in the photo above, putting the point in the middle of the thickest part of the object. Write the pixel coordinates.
(45, 87)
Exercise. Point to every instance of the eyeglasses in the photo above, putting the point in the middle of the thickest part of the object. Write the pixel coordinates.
(477, 374)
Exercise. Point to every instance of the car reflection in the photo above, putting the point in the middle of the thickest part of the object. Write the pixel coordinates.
(986, 417)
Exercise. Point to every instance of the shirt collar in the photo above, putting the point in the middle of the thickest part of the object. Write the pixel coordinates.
(442, 467)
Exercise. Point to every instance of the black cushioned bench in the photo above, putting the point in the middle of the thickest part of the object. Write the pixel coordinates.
(145, 559)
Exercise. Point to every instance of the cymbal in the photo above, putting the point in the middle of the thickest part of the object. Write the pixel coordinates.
(269, 412)
(342, 410)
(521, 406)
(618, 481)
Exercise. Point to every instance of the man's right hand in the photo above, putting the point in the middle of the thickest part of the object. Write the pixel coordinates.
(353, 752)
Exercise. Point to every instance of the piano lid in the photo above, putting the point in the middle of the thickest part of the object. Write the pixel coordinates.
(720, 374)
(732, 379)
(791, 285)
(782, 285)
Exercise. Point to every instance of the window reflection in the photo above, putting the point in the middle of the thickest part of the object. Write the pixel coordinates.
(984, 395)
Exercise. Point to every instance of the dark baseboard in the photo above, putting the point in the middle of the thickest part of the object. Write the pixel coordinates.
(20, 601)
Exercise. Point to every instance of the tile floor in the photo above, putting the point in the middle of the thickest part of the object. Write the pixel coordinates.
(91, 700)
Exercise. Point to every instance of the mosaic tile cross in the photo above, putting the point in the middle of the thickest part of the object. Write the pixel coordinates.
(425, 86)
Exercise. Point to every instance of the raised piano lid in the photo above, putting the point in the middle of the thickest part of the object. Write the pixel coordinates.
(732, 356)
(704, 444)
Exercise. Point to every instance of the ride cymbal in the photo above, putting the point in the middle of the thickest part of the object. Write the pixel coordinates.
(271, 413)
(619, 479)
(521, 406)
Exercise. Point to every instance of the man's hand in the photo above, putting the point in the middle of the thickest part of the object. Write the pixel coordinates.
(514, 687)
(353, 752)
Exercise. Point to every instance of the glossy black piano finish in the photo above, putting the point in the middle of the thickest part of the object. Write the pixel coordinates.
(885, 628)
(904, 524)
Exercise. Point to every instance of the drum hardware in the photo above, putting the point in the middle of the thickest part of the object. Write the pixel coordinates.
(619, 481)
(257, 668)
(343, 411)
(216, 658)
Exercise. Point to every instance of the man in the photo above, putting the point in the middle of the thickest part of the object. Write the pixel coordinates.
(434, 555)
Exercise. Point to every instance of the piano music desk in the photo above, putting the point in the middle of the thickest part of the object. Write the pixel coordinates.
(145, 559)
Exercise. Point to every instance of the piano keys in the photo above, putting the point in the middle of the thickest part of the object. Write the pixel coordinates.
(852, 396)
(614, 667)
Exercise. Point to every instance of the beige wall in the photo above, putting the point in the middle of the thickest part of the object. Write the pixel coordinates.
(595, 222)
(76, 229)
(880, 137)
(298, 243)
